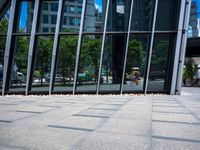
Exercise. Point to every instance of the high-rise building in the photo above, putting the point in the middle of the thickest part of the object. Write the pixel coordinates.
(194, 18)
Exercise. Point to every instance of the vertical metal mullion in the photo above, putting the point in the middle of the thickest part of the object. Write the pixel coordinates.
(151, 46)
(55, 45)
(127, 43)
(178, 47)
(32, 43)
(102, 46)
(8, 44)
(79, 44)
(183, 47)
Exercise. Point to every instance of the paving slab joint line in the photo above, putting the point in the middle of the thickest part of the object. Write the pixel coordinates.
(175, 139)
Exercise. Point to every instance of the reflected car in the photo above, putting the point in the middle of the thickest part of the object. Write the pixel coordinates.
(58, 78)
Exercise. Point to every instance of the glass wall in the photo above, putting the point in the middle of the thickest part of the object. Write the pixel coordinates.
(74, 52)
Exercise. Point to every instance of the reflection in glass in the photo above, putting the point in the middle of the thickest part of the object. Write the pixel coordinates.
(19, 64)
(142, 15)
(47, 16)
(118, 15)
(42, 68)
(65, 66)
(25, 16)
(89, 63)
(4, 23)
(93, 18)
(112, 65)
(71, 16)
(167, 15)
(161, 63)
(136, 63)
(2, 51)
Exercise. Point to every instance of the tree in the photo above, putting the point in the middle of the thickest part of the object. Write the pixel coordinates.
(90, 55)
(67, 56)
(44, 51)
(3, 29)
(136, 55)
(159, 55)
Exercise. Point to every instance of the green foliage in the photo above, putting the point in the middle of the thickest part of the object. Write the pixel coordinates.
(37, 73)
(136, 55)
(67, 55)
(189, 70)
(3, 25)
(159, 54)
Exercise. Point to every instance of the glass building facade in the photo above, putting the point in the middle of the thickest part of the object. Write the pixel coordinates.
(92, 46)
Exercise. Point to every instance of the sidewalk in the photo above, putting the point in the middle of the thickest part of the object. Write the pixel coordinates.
(101, 122)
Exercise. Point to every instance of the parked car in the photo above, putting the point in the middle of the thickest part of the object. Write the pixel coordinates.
(58, 78)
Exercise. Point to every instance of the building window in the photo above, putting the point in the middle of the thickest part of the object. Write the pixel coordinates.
(45, 6)
(79, 9)
(45, 19)
(52, 29)
(65, 20)
(72, 0)
(53, 19)
(78, 21)
(80, 1)
(45, 29)
(54, 6)
(65, 8)
(71, 9)
(71, 21)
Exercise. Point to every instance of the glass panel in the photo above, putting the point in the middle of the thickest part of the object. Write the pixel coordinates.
(167, 14)
(2, 51)
(19, 64)
(66, 58)
(43, 63)
(93, 18)
(25, 16)
(48, 16)
(4, 23)
(136, 62)
(71, 16)
(89, 63)
(113, 58)
(161, 63)
(118, 15)
(142, 15)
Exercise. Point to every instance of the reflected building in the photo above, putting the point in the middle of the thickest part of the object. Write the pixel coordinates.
(67, 49)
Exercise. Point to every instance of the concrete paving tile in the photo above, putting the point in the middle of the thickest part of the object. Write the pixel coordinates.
(105, 141)
(13, 116)
(129, 127)
(132, 115)
(95, 112)
(80, 122)
(176, 130)
(106, 106)
(162, 144)
(173, 117)
(33, 138)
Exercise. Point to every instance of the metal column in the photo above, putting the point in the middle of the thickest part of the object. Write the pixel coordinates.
(151, 47)
(55, 45)
(31, 45)
(8, 45)
(183, 47)
(178, 47)
(102, 46)
(127, 43)
(79, 44)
